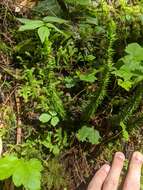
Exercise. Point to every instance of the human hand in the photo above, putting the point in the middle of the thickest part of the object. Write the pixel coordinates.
(107, 178)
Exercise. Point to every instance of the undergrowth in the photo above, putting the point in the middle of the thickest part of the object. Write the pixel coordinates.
(71, 74)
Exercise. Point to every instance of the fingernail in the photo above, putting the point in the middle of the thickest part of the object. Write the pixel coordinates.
(138, 157)
(120, 155)
(106, 167)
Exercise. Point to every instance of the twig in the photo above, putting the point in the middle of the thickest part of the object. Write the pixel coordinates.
(10, 96)
(19, 122)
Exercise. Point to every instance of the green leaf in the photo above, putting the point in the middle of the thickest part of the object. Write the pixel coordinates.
(43, 33)
(89, 58)
(125, 84)
(54, 19)
(135, 50)
(30, 24)
(87, 77)
(26, 21)
(88, 134)
(131, 71)
(56, 150)
(7, 166)
(53, 113)
(54, 121)
(28, 174)
(44, 117)
(69, 82)
(55, 28)
(92, 20)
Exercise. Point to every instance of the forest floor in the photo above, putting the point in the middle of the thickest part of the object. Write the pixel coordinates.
(81, 161)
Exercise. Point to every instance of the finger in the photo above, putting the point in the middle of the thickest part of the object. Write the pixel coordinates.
(99, 178)
(112, 180)
(132, 180)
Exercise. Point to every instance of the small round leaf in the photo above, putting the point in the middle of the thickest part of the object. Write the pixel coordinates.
(54, 121)
(44, 117)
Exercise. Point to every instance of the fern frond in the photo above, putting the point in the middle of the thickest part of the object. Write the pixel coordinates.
(57, 102)
(53, 93)
(128, 111)
(124, 131)
(98, 97)
(132, 106)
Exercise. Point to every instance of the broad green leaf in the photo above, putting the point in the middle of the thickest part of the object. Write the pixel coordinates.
(30, 24)
(44, 117)
(130, 72)
(94, 137)
(7, 166)
(26, 21)
(28, 174)
(88, 134)
(135, 50)
(54, 121)
(20, 174)
(54, 19)
(43, 33)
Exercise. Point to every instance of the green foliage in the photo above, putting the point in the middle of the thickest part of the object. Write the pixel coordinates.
(7, 166)
(55, 142)
(43, 33)
(98, 97)
(69, 82)
(129, 109)
(44, 118)
(30, 24)
(73, 70)
(23, 172)
(54, 121)
(52, 117)
(88, 134)
(130, 73)
(54, 175)
(54, 20)
(44, 26)
(124, 131)
(28, 174)
(87, 77)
